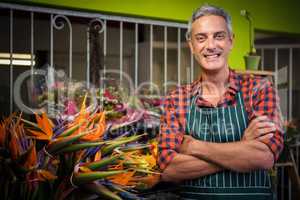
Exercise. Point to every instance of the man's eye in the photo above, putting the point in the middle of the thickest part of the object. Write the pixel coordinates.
(220, 36)
(200, 38)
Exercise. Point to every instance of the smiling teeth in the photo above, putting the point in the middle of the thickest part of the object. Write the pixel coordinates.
(212, 56)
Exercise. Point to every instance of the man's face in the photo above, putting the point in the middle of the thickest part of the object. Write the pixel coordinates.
(210, 42)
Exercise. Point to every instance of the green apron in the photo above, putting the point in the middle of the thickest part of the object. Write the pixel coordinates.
(223, 125)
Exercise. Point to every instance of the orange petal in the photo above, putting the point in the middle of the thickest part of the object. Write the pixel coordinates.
(31, 160)
(45, 124)
(2, 134)
(97, 156)
(44, 175)
(92, 136)
(14, 148)
(122, 179)
(83, 115)
(149, 180)
(154, 148)
(39, 135)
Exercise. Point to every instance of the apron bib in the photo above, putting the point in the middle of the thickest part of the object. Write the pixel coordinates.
(222, 125)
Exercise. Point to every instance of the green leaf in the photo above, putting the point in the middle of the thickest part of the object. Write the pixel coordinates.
(58, 144)
(86, 177)
(109, 148)
(76, 147)
(70, 130)
(101, 163)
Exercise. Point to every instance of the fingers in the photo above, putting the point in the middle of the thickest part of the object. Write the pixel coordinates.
(265, 137)
(263, 131)
(264, 125)
(261, 118)
(258, 120)
(187, 145)
(259, 127)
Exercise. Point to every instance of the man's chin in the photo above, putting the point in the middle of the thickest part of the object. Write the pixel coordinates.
(212, 67)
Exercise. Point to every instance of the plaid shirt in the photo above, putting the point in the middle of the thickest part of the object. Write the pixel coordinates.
(260, 98)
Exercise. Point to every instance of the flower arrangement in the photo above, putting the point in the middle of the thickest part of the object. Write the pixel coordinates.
(107, 151)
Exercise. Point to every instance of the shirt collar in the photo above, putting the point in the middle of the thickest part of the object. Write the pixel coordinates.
(233, 81)
(233, 84)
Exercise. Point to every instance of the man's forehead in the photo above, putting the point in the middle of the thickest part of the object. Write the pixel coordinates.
(210, 17)
(209, 24)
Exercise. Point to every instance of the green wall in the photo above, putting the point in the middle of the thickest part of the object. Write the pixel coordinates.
(269, 15)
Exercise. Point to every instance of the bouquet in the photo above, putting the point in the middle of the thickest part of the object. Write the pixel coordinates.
(106, 152)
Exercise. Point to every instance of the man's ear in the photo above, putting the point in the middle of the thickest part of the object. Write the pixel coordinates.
(191, 46)
(232, 36)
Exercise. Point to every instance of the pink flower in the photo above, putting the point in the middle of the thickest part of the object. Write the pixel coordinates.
(71, 108)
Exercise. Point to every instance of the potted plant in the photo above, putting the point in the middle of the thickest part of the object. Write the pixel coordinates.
(251, 59)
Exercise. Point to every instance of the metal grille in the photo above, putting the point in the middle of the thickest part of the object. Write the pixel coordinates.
(283, 59)
(152, 53)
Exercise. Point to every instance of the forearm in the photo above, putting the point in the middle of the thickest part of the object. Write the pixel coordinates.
(239, 156)
(186, 167)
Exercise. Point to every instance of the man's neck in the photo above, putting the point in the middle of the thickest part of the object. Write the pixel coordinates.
(218, 78)
(214, 85)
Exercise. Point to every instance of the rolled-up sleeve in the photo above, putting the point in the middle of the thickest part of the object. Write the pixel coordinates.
(171, 131)
(266, 102)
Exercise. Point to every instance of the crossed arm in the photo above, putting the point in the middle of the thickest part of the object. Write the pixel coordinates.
(197, 158)
(182, 157)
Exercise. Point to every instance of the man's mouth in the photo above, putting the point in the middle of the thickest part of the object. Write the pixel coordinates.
(212, 56)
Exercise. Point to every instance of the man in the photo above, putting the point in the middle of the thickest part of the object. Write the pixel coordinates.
(220, 134)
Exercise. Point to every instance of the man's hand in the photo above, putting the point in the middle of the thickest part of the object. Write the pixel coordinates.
(260, 128)
(187, 145)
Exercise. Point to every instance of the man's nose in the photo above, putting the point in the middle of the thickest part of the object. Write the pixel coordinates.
(210, 43)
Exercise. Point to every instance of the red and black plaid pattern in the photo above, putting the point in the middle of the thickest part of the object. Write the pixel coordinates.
(260, 98)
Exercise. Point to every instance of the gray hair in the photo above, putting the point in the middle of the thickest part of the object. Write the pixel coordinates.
(206, 10)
